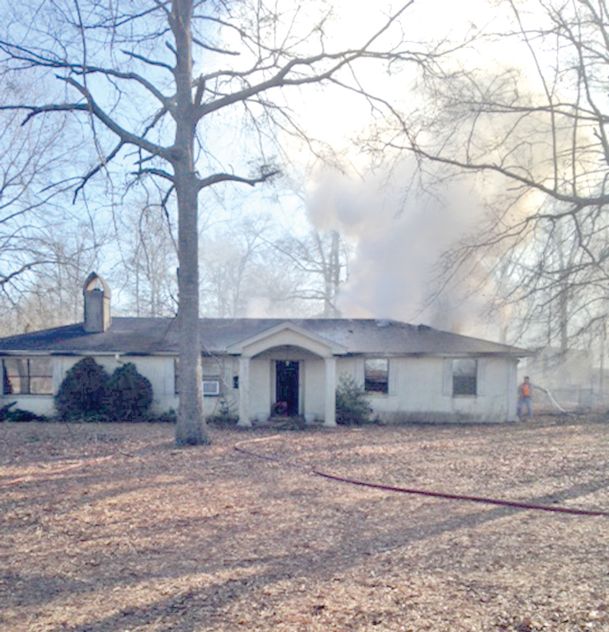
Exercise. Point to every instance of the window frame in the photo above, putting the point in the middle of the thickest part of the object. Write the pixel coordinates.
(464, 384)
(211, 380)
(28, 377)
(368, 381)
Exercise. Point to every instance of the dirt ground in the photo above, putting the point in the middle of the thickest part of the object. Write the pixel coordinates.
(110, 527)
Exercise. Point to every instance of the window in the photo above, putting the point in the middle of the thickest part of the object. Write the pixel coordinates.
(211, 386)
(27, 376)
(465, 377)
(376, 375)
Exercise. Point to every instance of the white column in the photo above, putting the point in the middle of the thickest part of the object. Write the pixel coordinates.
(244, 392)
(330, 407)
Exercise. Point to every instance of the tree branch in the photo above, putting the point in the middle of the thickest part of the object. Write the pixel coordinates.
(229, 177)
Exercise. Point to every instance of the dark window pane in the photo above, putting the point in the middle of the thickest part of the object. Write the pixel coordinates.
(465, 373)
(464, 385)
(376, 375)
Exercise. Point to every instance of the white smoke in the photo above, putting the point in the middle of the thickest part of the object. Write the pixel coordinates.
(399, 233)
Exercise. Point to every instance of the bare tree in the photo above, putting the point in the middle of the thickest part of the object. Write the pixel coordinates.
(322, 259)
(39, 245)
(148, 260)
(43, 296)
(538, 135)
(544, 287)
(27, 207)
(129, 71)
(231, 261)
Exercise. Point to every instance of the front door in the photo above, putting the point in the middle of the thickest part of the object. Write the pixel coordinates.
(286, 385)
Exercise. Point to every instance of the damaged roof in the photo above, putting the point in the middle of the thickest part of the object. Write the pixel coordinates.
(150, 336)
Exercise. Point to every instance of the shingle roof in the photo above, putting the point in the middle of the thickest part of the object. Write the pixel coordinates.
(160, 335)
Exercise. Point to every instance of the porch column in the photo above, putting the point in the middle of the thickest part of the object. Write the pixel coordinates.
(330, 407)
(244, 392)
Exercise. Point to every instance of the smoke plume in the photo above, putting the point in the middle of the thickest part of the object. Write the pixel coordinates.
(399, 235)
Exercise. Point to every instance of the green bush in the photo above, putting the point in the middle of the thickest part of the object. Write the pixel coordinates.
(129, 394)
(352, 407)
(83, 392)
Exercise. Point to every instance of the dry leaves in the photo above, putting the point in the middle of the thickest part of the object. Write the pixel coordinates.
(109, 527)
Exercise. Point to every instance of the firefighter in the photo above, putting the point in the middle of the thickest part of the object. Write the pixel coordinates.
(524, 399)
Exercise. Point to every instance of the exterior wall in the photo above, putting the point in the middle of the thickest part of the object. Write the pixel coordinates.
(37, 404)
(420, 389)
(159, 370)
(314, 389)
(260, 388)
(223, 369)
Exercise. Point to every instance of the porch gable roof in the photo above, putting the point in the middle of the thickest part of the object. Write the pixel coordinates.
(286, 333)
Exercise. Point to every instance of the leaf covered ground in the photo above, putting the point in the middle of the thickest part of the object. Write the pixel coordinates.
(110, 527)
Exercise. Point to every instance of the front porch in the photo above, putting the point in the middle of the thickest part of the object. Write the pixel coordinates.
(287, 373)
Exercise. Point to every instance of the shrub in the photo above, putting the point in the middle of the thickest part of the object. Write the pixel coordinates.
(352, 407)
(129, 394)
(224, 415)
(83, 392)
(5, 411)
(18, 414)
(168, 417)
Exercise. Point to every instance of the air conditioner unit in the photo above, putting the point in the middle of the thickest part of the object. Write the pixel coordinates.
(211, 387)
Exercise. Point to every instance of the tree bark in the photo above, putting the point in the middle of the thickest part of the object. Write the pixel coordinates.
(191, 424)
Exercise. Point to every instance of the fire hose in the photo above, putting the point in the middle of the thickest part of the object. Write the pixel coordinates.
(414, 491)
(553, 400)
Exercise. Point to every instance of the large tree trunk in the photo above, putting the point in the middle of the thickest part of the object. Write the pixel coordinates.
(191, 424)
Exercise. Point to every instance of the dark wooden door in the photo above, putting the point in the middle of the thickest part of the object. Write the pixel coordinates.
(287, 384)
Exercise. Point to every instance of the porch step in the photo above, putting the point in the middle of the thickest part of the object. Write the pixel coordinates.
(282, 423)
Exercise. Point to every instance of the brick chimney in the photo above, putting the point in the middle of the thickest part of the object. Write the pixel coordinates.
(96, 295)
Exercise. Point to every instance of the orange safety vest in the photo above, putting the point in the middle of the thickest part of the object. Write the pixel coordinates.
(525, 389)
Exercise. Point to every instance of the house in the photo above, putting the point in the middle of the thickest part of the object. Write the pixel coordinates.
(410, 372)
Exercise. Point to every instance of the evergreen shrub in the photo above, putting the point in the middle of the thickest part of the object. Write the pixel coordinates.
(129, 394)
(83, 392)
(352, 407)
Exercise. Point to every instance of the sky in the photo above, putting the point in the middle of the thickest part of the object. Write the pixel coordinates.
(397, 234)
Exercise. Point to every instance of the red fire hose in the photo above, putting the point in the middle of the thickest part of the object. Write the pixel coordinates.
(419, 492)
